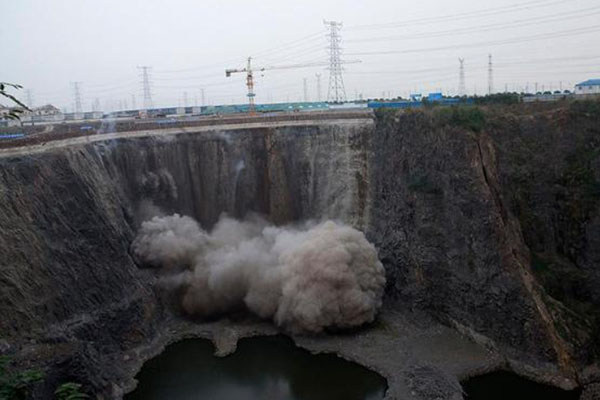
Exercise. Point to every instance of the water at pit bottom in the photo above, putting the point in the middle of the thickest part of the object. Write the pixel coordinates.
(502, 385)
(261, 368)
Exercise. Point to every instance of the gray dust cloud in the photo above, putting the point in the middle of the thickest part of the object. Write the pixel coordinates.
(305, 278)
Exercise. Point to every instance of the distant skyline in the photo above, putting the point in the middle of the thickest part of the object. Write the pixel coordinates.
(403, 47)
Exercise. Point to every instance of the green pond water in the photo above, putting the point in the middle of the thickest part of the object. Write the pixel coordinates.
(261, 368)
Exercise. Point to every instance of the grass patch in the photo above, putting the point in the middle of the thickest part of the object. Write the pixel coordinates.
(17, 385)
(585, 108)
(471, 118)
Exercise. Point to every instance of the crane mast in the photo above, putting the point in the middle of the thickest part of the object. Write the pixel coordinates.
(249, 83)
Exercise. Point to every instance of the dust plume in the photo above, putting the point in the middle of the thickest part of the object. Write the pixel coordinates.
(306, 279)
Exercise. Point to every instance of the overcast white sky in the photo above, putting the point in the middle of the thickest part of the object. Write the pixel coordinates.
(46, 45)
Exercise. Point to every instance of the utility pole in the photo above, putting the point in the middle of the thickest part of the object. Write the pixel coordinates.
(319, 98)
(305, 87)
(203, 98)
(77, 96)
(185, 99)
(462, 91)
(490, 75)
(336, 92)
(146, 86)
(536, 88)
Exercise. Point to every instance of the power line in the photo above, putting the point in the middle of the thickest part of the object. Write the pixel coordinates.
(466, 15)
(336, 91)
(506, 64)
(261, 54)
(526, 22)
(313, 49)
(289, 45)
(188, 78)
(566, 33)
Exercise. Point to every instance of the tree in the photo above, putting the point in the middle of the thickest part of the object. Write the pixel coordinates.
(14, 112)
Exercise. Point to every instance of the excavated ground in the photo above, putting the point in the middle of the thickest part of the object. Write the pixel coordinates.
(452, 208)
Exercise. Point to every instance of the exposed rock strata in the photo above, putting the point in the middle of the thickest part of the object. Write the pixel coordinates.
(447, 207)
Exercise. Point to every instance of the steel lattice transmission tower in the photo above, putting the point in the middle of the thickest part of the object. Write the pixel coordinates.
(77, 97)
(29, 98)
(461, 78)
(305, 87)
(490, 75)
(336, 92)
(146, 86)
(318, 86)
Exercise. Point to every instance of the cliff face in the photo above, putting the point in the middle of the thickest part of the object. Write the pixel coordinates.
(454, 211)
(69, 215)
(452, 244)
(494, 226)
(287, 173)
(448, 241)
(549, 170)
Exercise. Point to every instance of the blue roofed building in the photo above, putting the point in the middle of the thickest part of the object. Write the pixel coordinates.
(591, 86)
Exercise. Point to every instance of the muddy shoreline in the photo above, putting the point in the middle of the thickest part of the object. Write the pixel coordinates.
(418, 357)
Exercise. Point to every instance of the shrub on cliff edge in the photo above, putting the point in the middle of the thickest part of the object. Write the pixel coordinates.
(471, 118)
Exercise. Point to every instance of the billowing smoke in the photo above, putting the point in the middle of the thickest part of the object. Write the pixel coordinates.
(306, 279)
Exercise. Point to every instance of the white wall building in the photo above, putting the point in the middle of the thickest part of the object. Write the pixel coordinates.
(591, 86)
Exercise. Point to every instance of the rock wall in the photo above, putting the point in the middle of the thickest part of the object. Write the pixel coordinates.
(453, 210)
(69, 215)
(448, 240)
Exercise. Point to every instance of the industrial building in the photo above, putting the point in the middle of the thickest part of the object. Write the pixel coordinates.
(591, 86)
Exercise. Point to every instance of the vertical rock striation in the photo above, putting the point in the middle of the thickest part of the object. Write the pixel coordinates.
(453, 212)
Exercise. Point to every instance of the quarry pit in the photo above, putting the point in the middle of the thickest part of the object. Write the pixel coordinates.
(463, 219)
